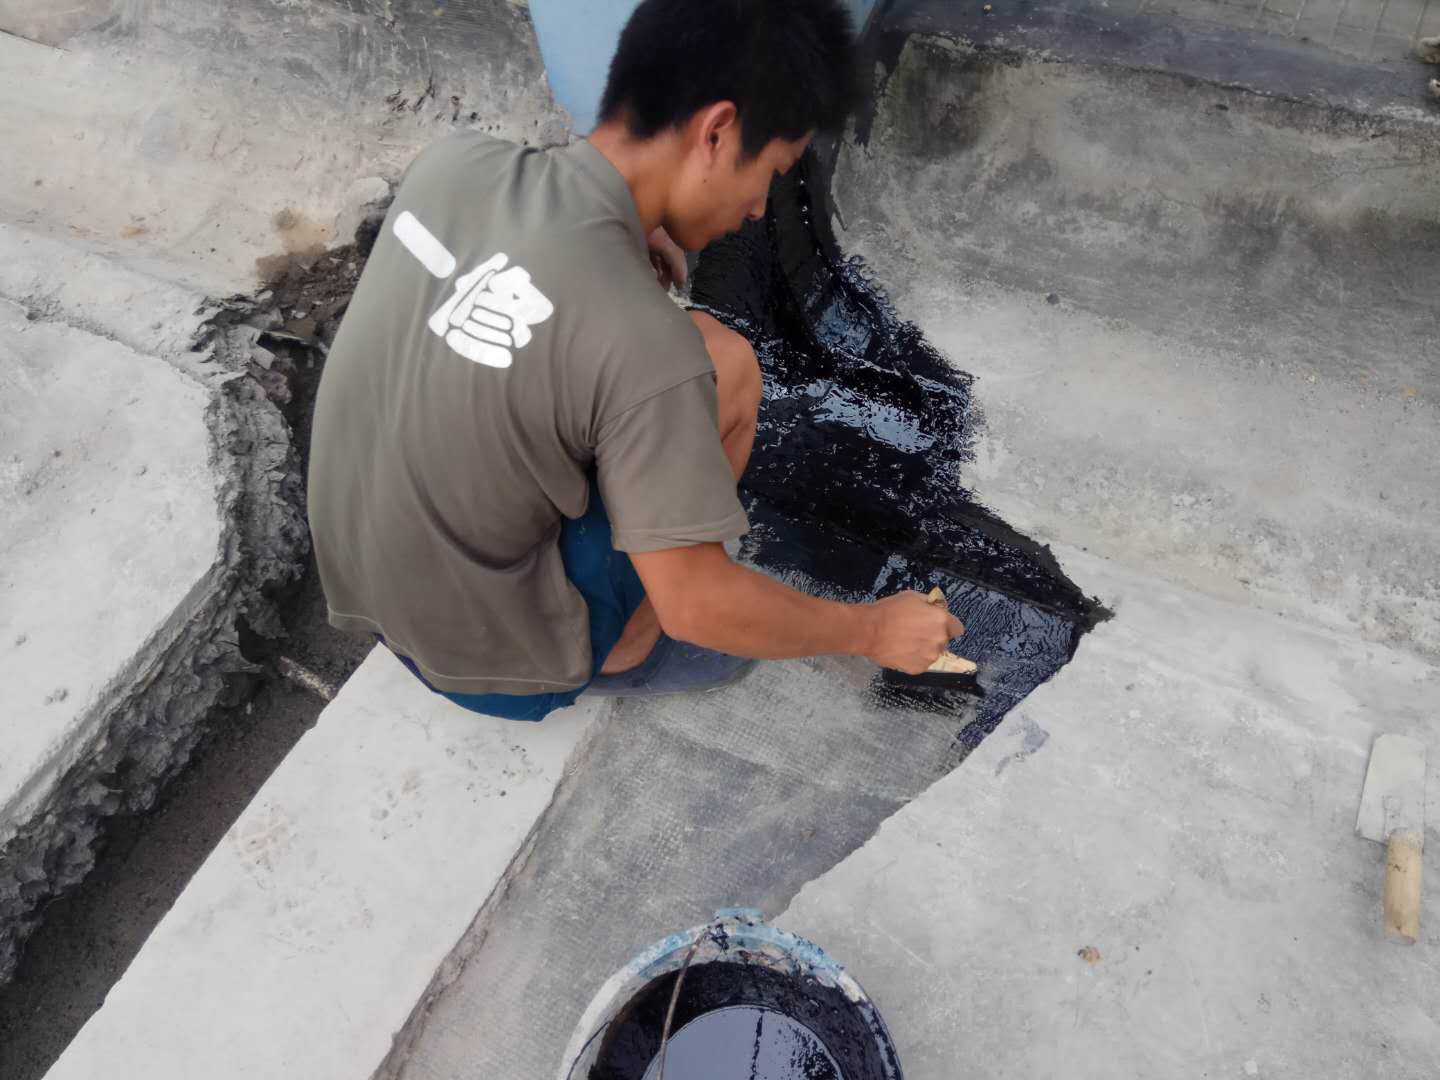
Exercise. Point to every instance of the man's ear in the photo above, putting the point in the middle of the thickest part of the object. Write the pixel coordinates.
(715, 127)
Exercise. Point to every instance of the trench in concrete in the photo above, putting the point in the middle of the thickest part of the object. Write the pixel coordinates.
(141, 848)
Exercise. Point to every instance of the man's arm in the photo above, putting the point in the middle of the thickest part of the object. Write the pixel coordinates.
(703, 597)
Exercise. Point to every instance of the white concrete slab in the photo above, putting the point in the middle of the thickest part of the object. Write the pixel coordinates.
(315, 926)
(1181, 799)
(102, 449)
(147, 506)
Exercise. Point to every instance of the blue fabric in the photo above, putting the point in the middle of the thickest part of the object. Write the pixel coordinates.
(607, 580)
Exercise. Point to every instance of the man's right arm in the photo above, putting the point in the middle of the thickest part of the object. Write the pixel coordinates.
(703, 597)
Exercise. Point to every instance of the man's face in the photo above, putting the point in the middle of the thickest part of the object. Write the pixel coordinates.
(719, 190)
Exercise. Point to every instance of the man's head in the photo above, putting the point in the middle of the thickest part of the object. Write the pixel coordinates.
(739, 87)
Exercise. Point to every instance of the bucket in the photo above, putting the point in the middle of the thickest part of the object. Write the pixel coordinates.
(740, 1000)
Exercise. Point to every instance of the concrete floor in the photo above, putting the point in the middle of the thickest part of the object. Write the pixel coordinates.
(1181, 796)
(679, 807)
(1240, 466)
(101, 446)
(1181, 799)
(1200, 311)
(1370, 31)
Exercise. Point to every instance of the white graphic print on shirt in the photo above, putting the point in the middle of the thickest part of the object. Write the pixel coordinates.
(493, 307)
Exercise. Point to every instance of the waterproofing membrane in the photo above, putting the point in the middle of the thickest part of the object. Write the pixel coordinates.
(855, 489)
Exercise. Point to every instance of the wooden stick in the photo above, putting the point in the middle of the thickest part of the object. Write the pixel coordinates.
(949, 662)
(1403, 867)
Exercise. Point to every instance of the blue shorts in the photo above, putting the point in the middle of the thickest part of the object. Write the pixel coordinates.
(606, 579)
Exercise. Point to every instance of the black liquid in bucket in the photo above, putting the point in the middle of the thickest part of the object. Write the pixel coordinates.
(741, 1021)
(746, 1043)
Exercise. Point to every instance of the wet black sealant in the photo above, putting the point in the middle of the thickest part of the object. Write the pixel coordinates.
(854, 487)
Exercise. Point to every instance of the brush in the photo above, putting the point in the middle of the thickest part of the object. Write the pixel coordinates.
(949, 672)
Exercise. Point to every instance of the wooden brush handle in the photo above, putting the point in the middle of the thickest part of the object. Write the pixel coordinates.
(1402, 887)
(949, 663)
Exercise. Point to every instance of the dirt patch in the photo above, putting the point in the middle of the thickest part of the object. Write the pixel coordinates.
(90, 935)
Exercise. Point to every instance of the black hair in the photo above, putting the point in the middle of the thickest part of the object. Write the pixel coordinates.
(789, 66)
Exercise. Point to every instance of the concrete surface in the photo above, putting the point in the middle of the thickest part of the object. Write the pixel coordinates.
(1368, 31)
(102, 447)
(1185, 38)
(115, 646)
(1376, 33)
(164, 107)
(91, 933)
(1229, 397)
(1198, 359)
(1180, 799)
(322, 916)
(680, 806)
(121, 220)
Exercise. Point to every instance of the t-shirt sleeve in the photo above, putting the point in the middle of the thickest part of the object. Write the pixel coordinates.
(664, 476)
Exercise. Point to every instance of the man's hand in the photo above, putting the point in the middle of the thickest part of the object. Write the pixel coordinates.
(702, 597)
(910, 633)
(668, 258)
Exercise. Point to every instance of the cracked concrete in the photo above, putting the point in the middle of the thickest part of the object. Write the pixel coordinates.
(115, 647)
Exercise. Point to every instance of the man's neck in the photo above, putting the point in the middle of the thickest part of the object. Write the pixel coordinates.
(647, 166)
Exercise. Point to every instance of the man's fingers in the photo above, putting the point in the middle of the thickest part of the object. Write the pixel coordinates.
(668, 258)
(957, 628)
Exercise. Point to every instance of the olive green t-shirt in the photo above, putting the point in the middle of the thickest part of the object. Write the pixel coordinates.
(507, 337)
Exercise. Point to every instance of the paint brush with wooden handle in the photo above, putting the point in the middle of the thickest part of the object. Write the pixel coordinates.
(949, 672)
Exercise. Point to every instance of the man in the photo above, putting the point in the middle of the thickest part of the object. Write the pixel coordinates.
(525, 456)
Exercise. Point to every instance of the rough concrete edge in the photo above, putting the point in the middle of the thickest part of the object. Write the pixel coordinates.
(473, 938)
(1194, 50)
(155, 711)
(885, 49)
